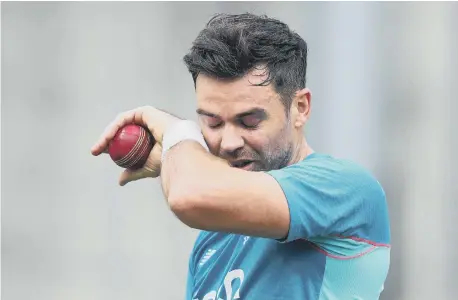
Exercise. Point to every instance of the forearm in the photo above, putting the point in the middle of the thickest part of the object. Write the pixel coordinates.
(204, 192)
(187, 166)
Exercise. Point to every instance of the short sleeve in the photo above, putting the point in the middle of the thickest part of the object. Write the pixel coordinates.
(331, 197)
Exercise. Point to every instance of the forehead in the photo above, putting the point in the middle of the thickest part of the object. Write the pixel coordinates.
(228, 97)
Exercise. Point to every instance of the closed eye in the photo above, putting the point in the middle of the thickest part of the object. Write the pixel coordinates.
(250, 121)
(247, 120)
(212, 122)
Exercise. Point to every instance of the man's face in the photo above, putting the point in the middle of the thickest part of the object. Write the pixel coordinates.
(245, 124)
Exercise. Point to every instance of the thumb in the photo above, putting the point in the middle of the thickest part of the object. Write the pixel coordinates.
(132, 175)
(152, 168)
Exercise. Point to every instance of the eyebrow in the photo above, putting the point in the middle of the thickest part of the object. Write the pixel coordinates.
(206, 113)
(259, 112)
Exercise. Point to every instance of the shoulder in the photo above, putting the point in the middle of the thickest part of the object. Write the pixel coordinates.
(337, 196)
(327, 173)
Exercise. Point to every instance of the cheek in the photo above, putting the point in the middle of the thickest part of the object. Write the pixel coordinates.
(257, 140)
(274, 140)
(213, 140)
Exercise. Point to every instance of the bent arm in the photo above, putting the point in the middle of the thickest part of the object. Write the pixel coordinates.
(204, 192)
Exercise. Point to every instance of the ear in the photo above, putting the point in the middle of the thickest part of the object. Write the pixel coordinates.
(301, 107)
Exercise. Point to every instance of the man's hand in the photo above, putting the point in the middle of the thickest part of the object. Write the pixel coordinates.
(157, 123)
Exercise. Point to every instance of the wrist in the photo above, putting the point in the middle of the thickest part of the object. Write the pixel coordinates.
(158, 122)
(182, 130)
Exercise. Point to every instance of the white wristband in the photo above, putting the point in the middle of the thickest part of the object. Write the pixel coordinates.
(181, 131)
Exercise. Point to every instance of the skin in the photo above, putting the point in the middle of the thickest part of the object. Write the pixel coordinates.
(241, 121)
(205, 190)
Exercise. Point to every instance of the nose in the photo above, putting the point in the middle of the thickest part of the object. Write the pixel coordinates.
(231, 140)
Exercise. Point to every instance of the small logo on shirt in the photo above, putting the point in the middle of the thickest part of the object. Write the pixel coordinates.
(207, 256)
(245, 239)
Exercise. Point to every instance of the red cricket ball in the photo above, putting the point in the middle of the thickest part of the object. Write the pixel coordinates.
(131, 146)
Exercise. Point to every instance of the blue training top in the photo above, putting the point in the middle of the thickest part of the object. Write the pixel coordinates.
(338, 245)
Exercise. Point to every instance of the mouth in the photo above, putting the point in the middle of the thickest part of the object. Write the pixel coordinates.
(242, 164)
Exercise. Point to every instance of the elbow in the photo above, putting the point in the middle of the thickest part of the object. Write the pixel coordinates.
(181, 203)
(186, 204)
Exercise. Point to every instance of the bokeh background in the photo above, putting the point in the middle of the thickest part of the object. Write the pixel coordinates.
(384, 78)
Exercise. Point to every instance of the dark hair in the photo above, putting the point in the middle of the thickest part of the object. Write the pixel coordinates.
(231, 45)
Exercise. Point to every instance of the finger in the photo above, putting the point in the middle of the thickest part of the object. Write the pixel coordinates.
(104, 151)
(152, 168)
(153, 163)
(110, 131)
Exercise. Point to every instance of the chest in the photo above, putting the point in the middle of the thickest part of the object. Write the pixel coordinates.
(231, 266)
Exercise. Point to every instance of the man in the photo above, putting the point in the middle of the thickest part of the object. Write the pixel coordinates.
(277, 220)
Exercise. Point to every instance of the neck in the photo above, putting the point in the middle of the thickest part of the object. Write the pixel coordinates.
(301, 151)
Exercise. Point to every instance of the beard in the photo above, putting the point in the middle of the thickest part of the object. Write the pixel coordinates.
(276, 158)
(276, 154)
(271, 157)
